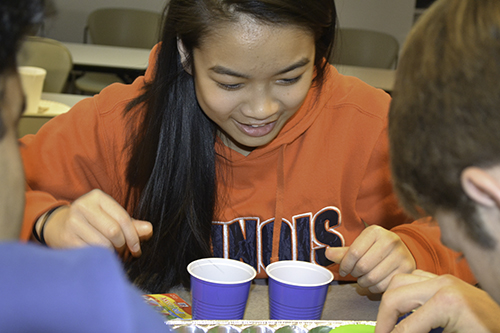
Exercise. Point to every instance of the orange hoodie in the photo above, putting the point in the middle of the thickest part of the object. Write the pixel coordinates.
(324, 176)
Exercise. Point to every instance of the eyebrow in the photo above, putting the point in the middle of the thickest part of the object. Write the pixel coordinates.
(226, 71)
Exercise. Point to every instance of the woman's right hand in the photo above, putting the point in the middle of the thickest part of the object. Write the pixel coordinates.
(96, 219)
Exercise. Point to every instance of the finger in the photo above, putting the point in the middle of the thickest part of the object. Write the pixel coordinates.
(398, 301)
(107, 226)
(336, 254)
(144, 229)
(374, 271)
(357, 250)
(371, 258)
(419, 272)
(400, 280)
(424, 319)
(123, 252)
(92, 209)
(118, 225)
(81, 233)
(377, 280)
(386, 323)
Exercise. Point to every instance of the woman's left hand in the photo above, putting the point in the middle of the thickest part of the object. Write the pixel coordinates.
(374, 257)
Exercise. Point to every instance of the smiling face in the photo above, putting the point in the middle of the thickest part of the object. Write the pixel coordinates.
(251, 78)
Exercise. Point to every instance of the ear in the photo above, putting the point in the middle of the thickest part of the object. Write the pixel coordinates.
(184, 56)
(481, 186)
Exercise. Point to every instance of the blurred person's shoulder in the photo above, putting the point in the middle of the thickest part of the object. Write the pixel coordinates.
(74, 290)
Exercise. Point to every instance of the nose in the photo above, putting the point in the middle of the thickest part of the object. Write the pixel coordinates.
(261, 105)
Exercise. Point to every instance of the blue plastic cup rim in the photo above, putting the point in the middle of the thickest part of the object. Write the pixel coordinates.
(245, 272)
(316, 275)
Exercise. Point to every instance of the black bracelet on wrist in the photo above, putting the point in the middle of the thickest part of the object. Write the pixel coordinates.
(40, 237)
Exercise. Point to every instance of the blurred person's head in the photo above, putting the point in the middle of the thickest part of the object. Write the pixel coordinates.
(444, 127)
(17, 17)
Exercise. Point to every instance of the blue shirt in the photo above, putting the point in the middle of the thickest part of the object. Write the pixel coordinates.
(77, 290)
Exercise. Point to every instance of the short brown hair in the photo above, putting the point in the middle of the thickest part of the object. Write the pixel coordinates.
(445, 113)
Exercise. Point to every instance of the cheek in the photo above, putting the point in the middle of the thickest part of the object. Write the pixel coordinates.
(451, 234)
(293, 98)
(214, 102)
(12, 194)
(14, 168)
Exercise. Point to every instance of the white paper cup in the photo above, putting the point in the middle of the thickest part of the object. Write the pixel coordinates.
(32, 79)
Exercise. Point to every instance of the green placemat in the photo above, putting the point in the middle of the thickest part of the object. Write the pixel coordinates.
(354, 329)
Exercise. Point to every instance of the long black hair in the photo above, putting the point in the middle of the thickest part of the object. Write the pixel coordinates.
(172, 173)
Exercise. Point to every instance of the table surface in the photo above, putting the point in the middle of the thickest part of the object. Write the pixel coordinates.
(345, 301)
(31, 123)
(112, 57)
(377, 77)
(68, 99)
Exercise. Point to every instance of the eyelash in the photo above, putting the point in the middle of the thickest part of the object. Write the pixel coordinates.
(291, 81)
(232, 87)
(229, 87)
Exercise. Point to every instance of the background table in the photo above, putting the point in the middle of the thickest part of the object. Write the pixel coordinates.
(108, 59)
(345, 301)
(30, 123)
(133, 62)
(376, 77)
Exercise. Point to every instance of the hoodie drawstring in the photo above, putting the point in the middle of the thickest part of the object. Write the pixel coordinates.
(278, 214)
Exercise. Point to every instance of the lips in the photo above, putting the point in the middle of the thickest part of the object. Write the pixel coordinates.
(256, 130)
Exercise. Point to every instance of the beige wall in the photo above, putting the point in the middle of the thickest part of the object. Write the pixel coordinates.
(69, 23)
(392, 16)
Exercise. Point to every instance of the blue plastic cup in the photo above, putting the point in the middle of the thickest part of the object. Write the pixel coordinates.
(297, 290)
(219, 288)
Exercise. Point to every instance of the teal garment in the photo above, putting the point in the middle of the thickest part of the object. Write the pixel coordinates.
(79, 290)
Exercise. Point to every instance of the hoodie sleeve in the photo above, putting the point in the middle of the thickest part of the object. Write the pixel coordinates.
(422, 237)
(75, 153)
(376, 202)
(55, 164)
(377, 205)
(79, 151)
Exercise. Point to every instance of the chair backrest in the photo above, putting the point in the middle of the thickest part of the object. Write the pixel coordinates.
(366, 48)
(51, 55)
(124, 27)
